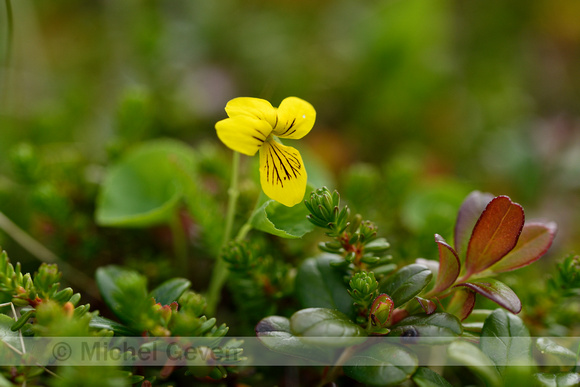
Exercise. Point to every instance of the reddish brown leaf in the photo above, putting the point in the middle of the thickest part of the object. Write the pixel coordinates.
(467, 217)
(496, 291)
(449, 266)
(461, 303)
(428, 306)
(535, 240)
(494, 235)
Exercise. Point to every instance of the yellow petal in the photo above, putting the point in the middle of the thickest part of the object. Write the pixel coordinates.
(295, 118)
(252, 107)
(282, 173)
(243, 133)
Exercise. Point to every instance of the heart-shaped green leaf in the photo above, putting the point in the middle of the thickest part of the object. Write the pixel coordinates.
(170, 290)
(467, 217)
(425, 377)
(144, 188)
(326, 327)
(277, 219)
(320, 285)
(506, 340)
(449, 266)
(382, 364)
(496, 291)
(495, 234)
(461, 303)
(535, 240)
(274, 333)
(469, 355)
(436, 328)
(406, 283)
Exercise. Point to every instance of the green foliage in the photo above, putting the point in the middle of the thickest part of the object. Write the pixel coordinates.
(146, 186)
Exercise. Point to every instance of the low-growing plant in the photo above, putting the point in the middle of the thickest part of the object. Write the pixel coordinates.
(339, 301)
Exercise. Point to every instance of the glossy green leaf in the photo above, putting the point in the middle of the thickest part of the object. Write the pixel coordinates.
(320, 285)
(506, 340)
(449, 266)
(274, 333)
(436, 328)
(277, 219)
(547, 346)
(469, 355)
(144, 188)
(424, 377)
(317, 325)
(535, 240)
(562, 379)
(99, 322)
(170, 290)
(382, 364)
(467, 217)
(406, 283)
(496, 291)
(495, 234)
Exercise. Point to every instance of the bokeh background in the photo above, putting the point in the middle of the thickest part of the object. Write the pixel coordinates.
(418, 103)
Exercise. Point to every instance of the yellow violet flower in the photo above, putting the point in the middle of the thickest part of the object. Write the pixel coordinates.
(254, 125)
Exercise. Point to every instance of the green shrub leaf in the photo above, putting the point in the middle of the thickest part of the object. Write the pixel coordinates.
(382, 364)
(505, 339)
(170, 290)
(320, 285)
(406, 283)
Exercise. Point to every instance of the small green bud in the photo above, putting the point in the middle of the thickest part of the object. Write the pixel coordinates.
(46, 277)
(364, 287)
(381, 311)
(194, 302)
(367, 231)
(240, 257)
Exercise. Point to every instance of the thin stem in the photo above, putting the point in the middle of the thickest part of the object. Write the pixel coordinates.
(179, 243)
(73, 275)
(220, 271)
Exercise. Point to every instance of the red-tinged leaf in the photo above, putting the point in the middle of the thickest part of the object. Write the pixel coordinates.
(449, 266)
(462, 303)
(535, 240)
(496, 291)
(495, 234)
(467, 217)
(428, 306)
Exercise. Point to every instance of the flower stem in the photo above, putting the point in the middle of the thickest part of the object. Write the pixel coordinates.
(220, 271)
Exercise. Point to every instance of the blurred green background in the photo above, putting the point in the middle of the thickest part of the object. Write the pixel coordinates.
(418, 103)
